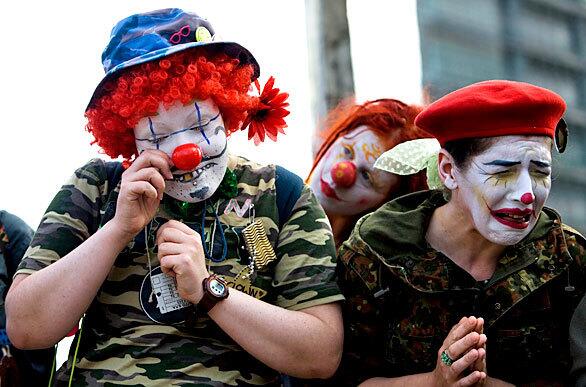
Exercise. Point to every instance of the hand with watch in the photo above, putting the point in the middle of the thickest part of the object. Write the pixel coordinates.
(215, 289)
(181, 256)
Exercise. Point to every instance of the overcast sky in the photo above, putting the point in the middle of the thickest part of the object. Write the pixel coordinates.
(51, 64)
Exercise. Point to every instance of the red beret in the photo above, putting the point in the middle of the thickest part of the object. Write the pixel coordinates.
(493, 108)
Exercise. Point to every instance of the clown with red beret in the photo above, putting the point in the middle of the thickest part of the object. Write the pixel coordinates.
(474, 282)
(189, 265)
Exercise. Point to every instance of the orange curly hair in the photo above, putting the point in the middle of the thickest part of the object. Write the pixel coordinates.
(184, 76)
(392, 120)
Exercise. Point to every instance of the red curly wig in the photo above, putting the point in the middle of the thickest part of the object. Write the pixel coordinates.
(392, 120)
(184, 76)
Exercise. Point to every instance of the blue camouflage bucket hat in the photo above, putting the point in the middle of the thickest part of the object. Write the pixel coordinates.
(149, 36)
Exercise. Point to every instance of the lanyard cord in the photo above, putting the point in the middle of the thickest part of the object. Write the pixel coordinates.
(53, 367)
(75, 354)
(209, 253)
(148, 253)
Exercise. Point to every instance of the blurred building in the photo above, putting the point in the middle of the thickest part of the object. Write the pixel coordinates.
(538, 41)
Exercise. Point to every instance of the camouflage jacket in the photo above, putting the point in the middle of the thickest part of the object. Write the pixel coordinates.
(134, 335)
(15, 236)
(34, 366)
(403, 297)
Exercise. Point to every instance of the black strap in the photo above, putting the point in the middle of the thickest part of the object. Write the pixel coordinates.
(114, 171)
(113, 176)
(2, 242)
(288, 188)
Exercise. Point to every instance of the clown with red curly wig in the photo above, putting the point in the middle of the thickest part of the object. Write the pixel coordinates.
(202, 91)
(189, 264)
(183, 78)
(343, 175)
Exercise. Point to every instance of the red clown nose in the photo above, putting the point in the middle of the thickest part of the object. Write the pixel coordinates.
(186, 157)
(344, 174)
(527, 198)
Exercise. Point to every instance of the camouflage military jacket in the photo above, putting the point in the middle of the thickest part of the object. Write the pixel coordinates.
(136, 332)
(403, 297)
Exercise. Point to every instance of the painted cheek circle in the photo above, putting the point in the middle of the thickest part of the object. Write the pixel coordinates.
(344, 174)
(527, 198)
(187, 156)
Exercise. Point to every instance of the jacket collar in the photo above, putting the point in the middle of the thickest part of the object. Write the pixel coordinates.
(399, 226)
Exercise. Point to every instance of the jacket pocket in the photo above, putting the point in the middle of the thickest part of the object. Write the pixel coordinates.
(410, 354)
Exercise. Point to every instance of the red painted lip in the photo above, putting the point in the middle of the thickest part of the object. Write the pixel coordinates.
(504, 216)
(328, 190)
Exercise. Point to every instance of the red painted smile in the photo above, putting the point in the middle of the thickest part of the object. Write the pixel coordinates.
(328, 190)
(513, 217)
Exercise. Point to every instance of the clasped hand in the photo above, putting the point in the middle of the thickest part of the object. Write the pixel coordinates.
(465, 348)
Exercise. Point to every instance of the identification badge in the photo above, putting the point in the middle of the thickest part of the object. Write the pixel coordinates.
(160, 300)
(165, 289)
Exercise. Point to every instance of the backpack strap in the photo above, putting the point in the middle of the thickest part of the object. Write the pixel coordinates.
(114, 171)
(3, 239)
(288, 187)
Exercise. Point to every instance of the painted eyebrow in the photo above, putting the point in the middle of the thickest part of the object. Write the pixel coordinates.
(541, 164)
(351, 136)
(503, 163)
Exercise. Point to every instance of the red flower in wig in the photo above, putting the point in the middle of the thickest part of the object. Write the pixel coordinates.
(268, 117)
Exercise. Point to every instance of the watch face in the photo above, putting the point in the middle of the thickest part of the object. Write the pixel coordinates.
(217, 288)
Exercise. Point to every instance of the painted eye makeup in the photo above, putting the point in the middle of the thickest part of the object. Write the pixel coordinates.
(502, 173)
(348, 150)
(498, 177)
(219, 128)
(541, 173)
(366, 175)
(157, 138)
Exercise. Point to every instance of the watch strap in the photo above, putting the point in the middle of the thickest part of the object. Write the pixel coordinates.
(209, 300)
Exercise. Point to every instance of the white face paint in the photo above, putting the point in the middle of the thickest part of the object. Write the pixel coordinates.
(200, 123)
(505, 187)
(370, 187)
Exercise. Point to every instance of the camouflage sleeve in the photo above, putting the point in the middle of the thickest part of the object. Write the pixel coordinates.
(305, 274)
(364, 325)
(72, 216)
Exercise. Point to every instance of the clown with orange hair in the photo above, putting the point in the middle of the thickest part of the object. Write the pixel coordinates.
(188, 264)
(343, 176)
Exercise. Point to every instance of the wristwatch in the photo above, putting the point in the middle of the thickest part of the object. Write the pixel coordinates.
(215, 289)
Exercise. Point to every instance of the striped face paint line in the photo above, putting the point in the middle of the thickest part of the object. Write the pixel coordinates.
(152, 129)
(199, 125)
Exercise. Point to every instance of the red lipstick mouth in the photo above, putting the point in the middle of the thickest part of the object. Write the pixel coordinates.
(328, 190)
(513, 217)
